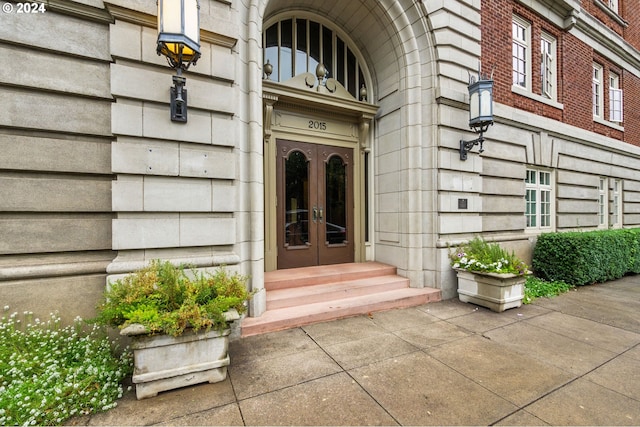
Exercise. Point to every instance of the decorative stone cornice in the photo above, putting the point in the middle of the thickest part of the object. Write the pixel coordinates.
(610, 40)
(132, 16)
(146, 20)
(298, 92)
(611, 13)
(302, 92)
(79, 10)
(569, 15)
(111, 12)
(565, 11)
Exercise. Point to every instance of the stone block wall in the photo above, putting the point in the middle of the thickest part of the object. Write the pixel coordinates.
(95, 179)
(55, 161)
(176, 192)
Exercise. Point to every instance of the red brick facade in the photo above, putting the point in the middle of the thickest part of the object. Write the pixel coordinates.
(574, 60)
(631, 12)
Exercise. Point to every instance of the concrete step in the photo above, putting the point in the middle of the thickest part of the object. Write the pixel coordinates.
(307, 276)
(301, 296)
(291, 317)
(291, 297)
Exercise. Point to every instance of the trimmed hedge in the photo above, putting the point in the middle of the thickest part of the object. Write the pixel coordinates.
(581, 258)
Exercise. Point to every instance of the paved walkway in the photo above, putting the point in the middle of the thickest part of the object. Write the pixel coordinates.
(569, 360)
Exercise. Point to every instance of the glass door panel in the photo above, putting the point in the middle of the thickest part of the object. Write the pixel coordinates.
(335, 194)
(296, 200)
(314, 204)
(335, 201)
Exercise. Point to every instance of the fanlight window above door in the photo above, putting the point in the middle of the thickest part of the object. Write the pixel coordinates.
(295, 46)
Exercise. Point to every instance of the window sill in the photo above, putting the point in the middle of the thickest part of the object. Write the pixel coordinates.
(539, 230)
(612, 125)
(524, 92)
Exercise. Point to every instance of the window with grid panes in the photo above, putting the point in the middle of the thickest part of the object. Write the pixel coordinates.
(615, 98)
(596, 86)
(548, 65)
(521, 34)
(603, 203)
(538, 209)
(616, 205)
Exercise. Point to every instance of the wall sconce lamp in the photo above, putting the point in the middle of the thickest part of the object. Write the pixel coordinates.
(480, 111)
(179, 41)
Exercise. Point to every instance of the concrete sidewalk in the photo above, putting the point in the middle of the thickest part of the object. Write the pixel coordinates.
(570, 360)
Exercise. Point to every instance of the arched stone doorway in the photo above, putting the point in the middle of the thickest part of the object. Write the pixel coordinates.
(317, 144)
(396, 49)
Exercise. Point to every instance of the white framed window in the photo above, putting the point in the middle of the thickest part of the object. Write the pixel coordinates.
(615, 98)
(603, 203)
(521, 32)
(616, 204)
(596, 86)
(548, 65)
(613, 5)
(539, 204)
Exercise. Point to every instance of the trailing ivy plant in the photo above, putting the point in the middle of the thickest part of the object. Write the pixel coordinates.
(169, 299)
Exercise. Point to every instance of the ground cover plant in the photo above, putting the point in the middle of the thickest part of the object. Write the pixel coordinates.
(536, 287)
(49, 373)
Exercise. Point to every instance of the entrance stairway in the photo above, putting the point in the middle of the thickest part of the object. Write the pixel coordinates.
(301, 296)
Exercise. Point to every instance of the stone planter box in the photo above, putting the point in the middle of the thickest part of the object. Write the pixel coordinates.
(497, 292)
(164, 362)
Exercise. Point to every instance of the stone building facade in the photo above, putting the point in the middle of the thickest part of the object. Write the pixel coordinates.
(96, 180)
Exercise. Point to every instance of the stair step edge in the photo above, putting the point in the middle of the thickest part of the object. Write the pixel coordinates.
(346, 302)
(286, 318)
(340, 285)
(284, 279)
(329, 292)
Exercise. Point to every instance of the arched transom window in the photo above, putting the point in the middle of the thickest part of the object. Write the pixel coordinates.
(295, 46)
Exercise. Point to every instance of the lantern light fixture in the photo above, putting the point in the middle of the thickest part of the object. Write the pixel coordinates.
(480, 111)
(179, 41)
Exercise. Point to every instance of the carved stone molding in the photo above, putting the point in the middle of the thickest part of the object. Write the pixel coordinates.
(147, 20)
(79, 10)
(268, 100)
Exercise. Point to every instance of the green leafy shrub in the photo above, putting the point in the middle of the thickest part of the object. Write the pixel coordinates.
(581, 258)
(481, 256)
(534, 287)
(168, 299)
(50, 373)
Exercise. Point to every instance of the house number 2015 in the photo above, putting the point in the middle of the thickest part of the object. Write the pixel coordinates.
(314, 124)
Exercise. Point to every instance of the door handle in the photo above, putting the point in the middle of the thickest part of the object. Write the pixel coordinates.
(320, 214)
(314, 215)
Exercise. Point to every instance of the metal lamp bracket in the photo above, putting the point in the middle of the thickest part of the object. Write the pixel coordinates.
(179, 99)
(466, 146)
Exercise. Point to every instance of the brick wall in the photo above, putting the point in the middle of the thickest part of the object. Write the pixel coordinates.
(593, 8)
(496, 49)
(631, 108)
(631, 13)
(576, 72)
(575, 59)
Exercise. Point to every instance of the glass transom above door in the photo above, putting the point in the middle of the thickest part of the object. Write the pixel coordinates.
(295, 46)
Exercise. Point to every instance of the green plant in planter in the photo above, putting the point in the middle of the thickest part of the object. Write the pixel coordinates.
(167, 299)
(481, 256)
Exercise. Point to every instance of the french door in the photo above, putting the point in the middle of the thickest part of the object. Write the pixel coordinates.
(314, 204)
